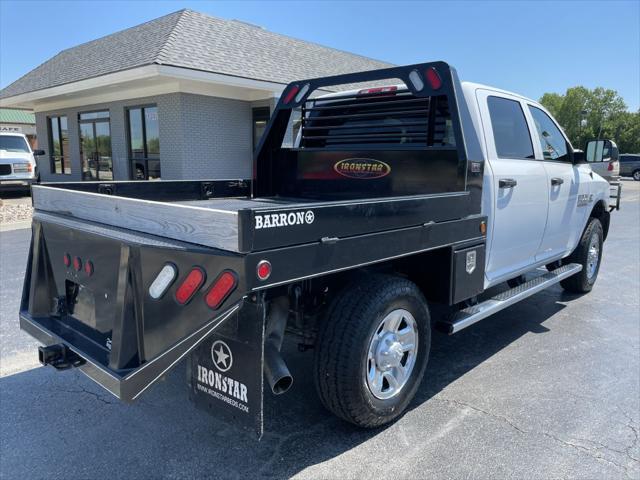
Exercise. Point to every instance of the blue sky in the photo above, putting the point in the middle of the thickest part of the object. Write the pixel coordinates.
(527, 47)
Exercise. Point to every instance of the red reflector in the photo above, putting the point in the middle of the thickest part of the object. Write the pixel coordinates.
(67, 260)
(88, 268)
(190, 285)
(221, 289)
(433, 78)
(367, 91)
(77, 264)
(291, 93)
(264, 269)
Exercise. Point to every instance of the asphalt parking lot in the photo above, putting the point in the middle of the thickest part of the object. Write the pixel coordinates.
(549, 388)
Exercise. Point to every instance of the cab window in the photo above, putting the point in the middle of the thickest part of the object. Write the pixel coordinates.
(510, 131)
(552, 141)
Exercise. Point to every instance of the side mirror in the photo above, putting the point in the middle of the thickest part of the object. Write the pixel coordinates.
(601, 151)
(37, 153)
(578, 156)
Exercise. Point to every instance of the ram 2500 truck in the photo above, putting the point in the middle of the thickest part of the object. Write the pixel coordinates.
(365, 207)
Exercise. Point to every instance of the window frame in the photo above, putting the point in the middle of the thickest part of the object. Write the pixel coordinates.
(145, 159)
(527, 121)
(569, 155)
(52, 163)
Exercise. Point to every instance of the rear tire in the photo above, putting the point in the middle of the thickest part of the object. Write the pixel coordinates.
(357, 350)
(636, 175)
(588, 253)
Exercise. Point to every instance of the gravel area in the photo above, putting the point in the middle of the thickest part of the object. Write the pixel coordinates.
(15, 210)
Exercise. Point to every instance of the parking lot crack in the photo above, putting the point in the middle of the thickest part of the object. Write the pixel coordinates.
(594, 453)
(88, 392)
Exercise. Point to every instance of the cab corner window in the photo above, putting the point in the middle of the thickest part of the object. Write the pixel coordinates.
(510, 131)
(552, 142)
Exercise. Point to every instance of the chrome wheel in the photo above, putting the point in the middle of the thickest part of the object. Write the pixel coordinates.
(636, 175)
(392, 354)
(593, 256)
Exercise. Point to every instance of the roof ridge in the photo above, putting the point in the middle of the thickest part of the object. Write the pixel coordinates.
(162, 53)
(264, 29)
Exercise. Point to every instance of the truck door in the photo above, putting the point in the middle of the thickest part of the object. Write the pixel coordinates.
(517, 192)
(566, 183)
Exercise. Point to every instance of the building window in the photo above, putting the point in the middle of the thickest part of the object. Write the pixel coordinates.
(59, 145)
(260, 120)
(95, 145)
(144, 143)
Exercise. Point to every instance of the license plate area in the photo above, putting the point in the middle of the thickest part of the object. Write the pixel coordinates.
(82, 314)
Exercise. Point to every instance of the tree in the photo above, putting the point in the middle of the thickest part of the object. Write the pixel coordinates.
(590, 114)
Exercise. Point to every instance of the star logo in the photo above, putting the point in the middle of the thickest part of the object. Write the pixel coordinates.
(221, 355)
(309, 217)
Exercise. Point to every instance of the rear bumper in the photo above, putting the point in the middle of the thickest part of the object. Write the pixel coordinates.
(127, 385)
(16, 183)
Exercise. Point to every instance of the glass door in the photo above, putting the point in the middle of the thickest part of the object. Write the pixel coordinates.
(95, 146)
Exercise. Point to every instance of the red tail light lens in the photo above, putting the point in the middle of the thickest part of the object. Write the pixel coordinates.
(190, 285)
(88, 268)
(67, 260)
(77, 264)
(610, 167)
(263, 270)
(291, 93)
(433, 78)
(221, 288)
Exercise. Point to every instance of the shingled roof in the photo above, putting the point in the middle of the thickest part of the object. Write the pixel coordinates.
(196, 41)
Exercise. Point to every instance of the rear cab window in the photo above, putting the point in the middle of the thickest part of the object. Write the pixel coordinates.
(510, 131)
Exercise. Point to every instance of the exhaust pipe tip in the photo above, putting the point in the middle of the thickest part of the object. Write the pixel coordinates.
(276, 372)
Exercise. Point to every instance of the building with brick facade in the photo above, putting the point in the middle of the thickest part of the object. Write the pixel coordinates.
(183, 96)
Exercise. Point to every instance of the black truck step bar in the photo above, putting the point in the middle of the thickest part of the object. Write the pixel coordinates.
(470, 315)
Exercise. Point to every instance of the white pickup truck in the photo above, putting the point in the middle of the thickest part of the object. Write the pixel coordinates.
(391, 198)
(17, 162)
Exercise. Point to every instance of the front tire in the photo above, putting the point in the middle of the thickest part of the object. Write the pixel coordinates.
(372, 350)
(588, 253)
(636, 175)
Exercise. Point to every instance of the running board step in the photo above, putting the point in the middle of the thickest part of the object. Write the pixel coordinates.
(470, 315)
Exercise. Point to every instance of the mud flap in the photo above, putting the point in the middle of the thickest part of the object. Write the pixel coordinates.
(225, 371)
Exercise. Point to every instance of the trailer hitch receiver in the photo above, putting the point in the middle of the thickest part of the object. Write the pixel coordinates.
(59, 356)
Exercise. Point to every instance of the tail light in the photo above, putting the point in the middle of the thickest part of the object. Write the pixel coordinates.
(610, 166)
(190, 285)
(67, 260)
(163, 281)
(433, 78)
(77, 264)
(221, 288)
(291, 93)
(88, 268)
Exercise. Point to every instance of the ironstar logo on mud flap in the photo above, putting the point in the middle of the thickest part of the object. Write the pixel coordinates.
(222, 383)
(222, 358)
(271, 220)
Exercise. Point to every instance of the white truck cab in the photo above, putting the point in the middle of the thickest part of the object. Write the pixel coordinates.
(17, 162)
(536, 198)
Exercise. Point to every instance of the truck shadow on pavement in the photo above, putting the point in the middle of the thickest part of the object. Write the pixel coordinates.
(62, 425)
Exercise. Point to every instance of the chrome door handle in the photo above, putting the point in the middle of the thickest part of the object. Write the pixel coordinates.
(507, 183)
(557, 181)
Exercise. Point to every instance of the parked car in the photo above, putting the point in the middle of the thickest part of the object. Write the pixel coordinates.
(603, 158)
(630, 165)
(390, 198)
(17, 162)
